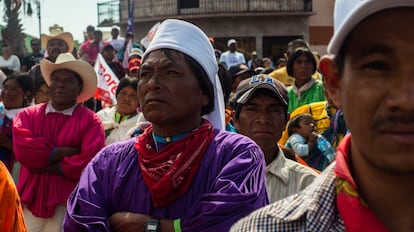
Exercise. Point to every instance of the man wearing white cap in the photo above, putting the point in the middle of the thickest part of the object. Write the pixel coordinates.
(54, 141)
(232, 57)
(116, 41)
(369, 74)
(184, 173)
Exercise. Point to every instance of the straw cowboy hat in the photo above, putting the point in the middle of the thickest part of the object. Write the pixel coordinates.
(65, 36)
(68, 62)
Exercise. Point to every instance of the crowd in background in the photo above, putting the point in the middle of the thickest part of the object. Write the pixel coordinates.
(193, 138)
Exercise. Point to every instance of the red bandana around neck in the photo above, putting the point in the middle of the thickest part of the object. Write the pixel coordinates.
(357, 216)
(169, 172)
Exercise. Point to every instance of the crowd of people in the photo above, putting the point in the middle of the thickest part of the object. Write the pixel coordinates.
(202, 140)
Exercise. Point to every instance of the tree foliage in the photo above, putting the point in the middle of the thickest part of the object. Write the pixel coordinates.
(13, 34)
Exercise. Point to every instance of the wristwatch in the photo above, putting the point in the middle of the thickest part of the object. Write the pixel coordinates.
(153, 225)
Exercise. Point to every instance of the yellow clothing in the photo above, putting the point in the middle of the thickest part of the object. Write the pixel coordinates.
(319, 114)
(281, 75)
(11, 213)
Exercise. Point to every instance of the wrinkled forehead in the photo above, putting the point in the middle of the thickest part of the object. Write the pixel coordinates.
(164, 52)
(163, 56)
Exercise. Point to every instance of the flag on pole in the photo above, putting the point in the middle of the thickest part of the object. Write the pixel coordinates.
(107, 83)
(130, 25)
(127, 52)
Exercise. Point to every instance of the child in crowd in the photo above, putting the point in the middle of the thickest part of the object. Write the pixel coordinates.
(312, 147)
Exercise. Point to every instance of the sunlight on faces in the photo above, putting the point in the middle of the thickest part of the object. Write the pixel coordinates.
(127, 101)
(56, 47)
(168, 90)
(64, 88)
(302, 68)
(306, 127)
(12, 95)
(42, 95)
(376, 90)
(263, 119)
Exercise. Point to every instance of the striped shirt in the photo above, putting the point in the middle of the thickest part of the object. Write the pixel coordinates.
(285, 177)
(313, 209)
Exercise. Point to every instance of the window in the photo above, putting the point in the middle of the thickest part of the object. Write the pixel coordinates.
(183, 4)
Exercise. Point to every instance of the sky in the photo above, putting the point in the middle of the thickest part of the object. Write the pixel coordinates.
(73, 15)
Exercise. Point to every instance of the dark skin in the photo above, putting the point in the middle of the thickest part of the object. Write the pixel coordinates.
(262, 119)
(169, 109)
(379, 51)
(64, 90)
(6, 142)
(61, 153)
(13, 97)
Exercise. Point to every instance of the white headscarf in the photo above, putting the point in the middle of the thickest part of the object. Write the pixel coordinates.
(189, 39)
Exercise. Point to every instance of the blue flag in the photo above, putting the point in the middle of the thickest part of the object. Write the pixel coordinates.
(130, 25)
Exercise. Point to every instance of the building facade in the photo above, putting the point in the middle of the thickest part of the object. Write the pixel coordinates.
(265, 26)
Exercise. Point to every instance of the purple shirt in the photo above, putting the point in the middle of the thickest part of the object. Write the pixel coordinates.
(229, 185)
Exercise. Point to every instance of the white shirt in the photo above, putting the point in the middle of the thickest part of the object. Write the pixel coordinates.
(12, 63)
(119, 130)
(117, 43)
(285, 177)
(232, 58)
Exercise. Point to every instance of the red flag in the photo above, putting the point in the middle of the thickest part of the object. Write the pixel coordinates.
(127, 52)
(150, 35)
(107, 83)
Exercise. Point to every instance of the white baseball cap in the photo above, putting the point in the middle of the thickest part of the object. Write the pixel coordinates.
(349, 13)
(230, 42)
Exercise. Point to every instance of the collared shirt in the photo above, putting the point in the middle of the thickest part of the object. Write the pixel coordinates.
(313, 209)
(313, 91)
(51, 109)
(285, 177)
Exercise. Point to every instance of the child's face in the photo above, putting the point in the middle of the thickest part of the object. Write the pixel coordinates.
(306, 127)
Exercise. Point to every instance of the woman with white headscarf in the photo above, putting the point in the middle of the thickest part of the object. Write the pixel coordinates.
(183, 173)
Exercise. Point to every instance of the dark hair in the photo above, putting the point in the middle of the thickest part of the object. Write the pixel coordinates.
(295, 55)
(202, 78)
(225, 81)
(108, 47)
(34, 40)
(126, 82)
(90, 28)
(38, 82)
(340, 57)
(297, 43)
(25, 83)
(97, 32)
(204, 83)
(294, 122)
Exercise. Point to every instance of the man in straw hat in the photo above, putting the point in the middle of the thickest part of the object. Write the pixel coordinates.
(54, 141)
(370, 76)
(55, 44)
(183, 172)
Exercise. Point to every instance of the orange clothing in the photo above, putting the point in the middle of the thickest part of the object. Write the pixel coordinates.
(228, 115)
(11, 213)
